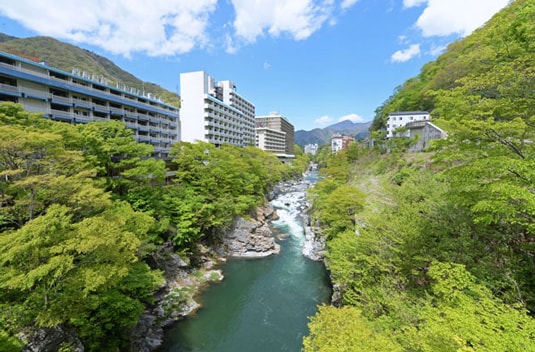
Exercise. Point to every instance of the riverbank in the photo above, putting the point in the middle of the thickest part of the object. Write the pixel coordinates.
(250, 237)
(184, 282)
(263, 304)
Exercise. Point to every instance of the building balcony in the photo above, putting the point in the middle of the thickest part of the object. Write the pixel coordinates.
(57, 99)
(82, 119)
(143, 117)
(143, 138)
(131, 125)
(117, 111)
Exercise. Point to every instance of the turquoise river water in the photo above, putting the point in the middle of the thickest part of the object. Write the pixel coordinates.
(262, 304)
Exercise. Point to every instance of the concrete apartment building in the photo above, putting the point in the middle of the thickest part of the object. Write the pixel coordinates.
(270, 140)
(214, 112)
(402, 118)
(79, 97)
(276, 122)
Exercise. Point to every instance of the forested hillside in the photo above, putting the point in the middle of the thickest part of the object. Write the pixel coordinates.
(66, 57)
(84, 208)
(485, 72)
(436, 251)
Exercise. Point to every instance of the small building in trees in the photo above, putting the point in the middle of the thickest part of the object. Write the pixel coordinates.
(416, 125)
(398, 120)
(340, 141)
(311, 149)
(423, 132)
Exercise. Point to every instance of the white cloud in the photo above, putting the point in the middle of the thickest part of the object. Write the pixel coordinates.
(403, 39)
(437, 50)
(328, 119)
(413, 3)
(296, 18)
(442, 18)
(267, 65)
(352, 118)
(347, 4)
(407, 54)
(171, 27)
(161, 27)
(323, 120)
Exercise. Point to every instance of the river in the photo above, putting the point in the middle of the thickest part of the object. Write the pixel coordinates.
(262, 304)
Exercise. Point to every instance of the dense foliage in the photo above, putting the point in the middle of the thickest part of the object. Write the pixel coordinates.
(435, 252)
(82, 209)
(494, 65)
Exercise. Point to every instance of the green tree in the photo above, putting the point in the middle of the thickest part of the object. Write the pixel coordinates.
(79, 274)
(119, 160)
(343, 330)
(464, 316)
(36, 170)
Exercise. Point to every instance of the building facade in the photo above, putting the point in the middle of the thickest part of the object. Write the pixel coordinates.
(311, 149)
(273, 141)
(424, 132)
(214, 112)
(339, 142)
(79, 97)
(401, 119)
(278, 122)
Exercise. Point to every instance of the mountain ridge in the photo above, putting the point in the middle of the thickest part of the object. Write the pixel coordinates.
(359, 130)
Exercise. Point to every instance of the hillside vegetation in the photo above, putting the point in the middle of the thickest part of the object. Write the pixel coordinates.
(436, 251)
(84, 209)
(65, 57)
(486, 72)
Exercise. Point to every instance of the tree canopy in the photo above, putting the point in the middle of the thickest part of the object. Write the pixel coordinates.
(439, 256)
(83, 208)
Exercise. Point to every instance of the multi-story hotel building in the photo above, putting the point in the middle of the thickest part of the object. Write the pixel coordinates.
(278, 122)
(78, 97)
(214, 112)
(270, 140)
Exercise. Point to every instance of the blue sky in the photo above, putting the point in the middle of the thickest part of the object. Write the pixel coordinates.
(316, 62)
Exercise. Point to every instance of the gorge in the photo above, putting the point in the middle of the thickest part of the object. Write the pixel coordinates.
(262, 304)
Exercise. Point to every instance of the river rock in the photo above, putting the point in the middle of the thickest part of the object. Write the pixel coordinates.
(51, 340)
(250, 238)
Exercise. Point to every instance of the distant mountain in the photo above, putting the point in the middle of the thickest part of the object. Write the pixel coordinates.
(5, 37)
(323, 135)
(67, 57)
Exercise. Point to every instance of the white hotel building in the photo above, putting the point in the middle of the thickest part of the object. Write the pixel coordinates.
(401, 119)
(214, 112)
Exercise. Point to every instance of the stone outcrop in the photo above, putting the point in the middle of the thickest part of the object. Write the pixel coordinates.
(51, 340)
(251, 238)
(176, 297)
